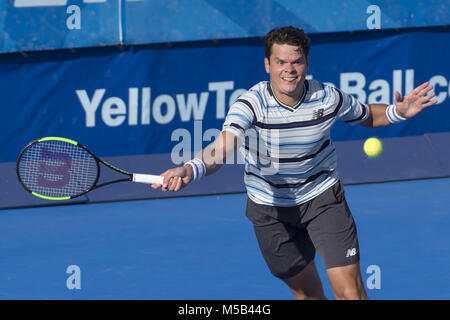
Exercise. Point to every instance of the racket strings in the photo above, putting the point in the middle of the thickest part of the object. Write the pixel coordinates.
(57, 169)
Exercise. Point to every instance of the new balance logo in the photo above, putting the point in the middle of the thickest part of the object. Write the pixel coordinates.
(317, 114)
(351, 252)
(47, 3)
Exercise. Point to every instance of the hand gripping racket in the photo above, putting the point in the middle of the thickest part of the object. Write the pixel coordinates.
(56, 168)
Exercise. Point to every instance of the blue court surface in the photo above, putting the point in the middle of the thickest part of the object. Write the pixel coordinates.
(204, 248)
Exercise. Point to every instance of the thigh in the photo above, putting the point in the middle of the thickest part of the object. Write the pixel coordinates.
(333, 231)
(286, 249)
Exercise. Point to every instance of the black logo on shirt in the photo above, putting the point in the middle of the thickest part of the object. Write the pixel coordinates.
(318, 114)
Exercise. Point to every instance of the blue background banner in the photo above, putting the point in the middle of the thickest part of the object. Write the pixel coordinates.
(28, 25)
(146, 99)
(167, 21)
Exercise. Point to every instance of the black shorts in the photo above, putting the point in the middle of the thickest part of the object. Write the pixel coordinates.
(289, 236)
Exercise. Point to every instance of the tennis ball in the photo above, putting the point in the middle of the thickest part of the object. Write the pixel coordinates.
(373, 147)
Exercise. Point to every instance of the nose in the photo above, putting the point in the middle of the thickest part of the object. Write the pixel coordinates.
(290, 68)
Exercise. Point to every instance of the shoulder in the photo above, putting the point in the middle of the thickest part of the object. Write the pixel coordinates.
(320, 87)
(320, 90)
(317, 90)
(259, 89)
(256, 95)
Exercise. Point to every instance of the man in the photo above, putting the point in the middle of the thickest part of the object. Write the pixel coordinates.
(295, 199)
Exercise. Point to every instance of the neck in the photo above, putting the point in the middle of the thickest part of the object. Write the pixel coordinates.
(290, 100)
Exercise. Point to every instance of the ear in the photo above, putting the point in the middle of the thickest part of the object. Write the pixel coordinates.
(267, 65)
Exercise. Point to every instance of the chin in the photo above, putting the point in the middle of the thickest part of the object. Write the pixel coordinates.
(292, 90)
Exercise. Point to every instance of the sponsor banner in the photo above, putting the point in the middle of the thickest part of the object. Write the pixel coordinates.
(173, 99)
(28, 25)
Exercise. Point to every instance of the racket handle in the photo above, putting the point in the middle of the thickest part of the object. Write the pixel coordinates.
(148, 178)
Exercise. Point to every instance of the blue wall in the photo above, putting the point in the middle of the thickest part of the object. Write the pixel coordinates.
(28, 25)
(146, 99)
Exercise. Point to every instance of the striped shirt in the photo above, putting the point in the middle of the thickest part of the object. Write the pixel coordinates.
(289, 156)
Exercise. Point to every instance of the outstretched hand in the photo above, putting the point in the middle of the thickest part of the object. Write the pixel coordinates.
(174, 179)
(415, 101)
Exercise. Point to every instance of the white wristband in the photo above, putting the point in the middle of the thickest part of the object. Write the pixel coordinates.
(198, 167)
(392, 115)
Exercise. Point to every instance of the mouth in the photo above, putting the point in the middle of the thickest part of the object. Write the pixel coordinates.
(289, 79)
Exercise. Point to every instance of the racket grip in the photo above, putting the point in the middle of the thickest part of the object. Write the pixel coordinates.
(148, 178)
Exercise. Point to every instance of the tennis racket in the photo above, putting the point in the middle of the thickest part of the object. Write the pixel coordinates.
(56, 168)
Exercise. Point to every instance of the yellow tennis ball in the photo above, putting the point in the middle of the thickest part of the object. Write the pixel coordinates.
(373, 147)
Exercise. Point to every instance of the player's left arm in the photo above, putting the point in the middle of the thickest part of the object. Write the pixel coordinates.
(405, 107)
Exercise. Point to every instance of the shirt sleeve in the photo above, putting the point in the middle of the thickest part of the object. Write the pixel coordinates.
(240, 117)
(351, 111)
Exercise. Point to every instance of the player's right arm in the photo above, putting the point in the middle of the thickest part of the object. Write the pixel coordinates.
(239, 119)
(213, 156)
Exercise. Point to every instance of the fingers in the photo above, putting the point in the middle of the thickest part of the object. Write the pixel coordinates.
(429, 103)
(174, 183)
(398, 97)
(167, 182)
(429, 97)
(174, 180)
(417, 99)
(179, 184)
(420, 88)
(424, 91)
(420, 91)
(426, 100)
(156, 186)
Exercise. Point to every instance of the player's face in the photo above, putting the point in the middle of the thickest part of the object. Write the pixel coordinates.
(287, 68)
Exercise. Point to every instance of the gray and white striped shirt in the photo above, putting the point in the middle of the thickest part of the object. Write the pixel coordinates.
(289, 156)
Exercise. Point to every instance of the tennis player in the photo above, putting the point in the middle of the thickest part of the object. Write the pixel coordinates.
(296, 201)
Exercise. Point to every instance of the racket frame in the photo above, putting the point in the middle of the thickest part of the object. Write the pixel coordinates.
(97, 160)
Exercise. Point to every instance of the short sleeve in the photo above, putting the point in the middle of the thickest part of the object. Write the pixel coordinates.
(351, 110)
(240, 117)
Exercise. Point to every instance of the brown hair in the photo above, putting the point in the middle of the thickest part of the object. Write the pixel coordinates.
(286, 35)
